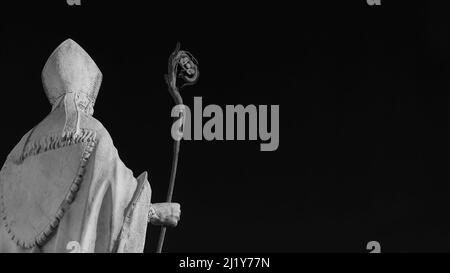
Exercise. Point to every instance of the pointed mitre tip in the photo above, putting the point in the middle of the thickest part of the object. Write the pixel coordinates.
(70, 44)
(70, 47)
(69, 41)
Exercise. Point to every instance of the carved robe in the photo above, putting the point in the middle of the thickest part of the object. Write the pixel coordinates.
(55, 192)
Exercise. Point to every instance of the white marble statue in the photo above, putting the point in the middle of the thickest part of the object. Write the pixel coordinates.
(63, 187)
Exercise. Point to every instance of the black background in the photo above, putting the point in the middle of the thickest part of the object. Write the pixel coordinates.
(364, 131)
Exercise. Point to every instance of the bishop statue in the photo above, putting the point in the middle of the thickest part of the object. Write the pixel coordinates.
(63, 187)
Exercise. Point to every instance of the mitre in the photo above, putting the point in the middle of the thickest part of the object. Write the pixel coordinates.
(70, 76)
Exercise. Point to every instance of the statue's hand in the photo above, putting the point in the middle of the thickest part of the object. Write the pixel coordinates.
(165, 214)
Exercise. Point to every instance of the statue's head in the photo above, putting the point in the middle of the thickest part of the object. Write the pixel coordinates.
(69, 69)
(71, 77)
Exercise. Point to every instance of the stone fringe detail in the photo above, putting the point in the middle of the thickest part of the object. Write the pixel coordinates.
(54, 142)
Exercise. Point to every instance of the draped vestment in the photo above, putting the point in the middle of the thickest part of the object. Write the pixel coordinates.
(62, 194)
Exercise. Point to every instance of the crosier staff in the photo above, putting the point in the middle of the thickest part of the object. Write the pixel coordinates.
(181, 65)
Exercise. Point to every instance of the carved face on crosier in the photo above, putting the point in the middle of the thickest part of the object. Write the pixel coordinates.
(71, 79)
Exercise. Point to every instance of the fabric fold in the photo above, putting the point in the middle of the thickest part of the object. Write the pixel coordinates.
(72, 124)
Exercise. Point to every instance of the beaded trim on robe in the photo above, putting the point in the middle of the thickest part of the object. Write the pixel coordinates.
(48, 143)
